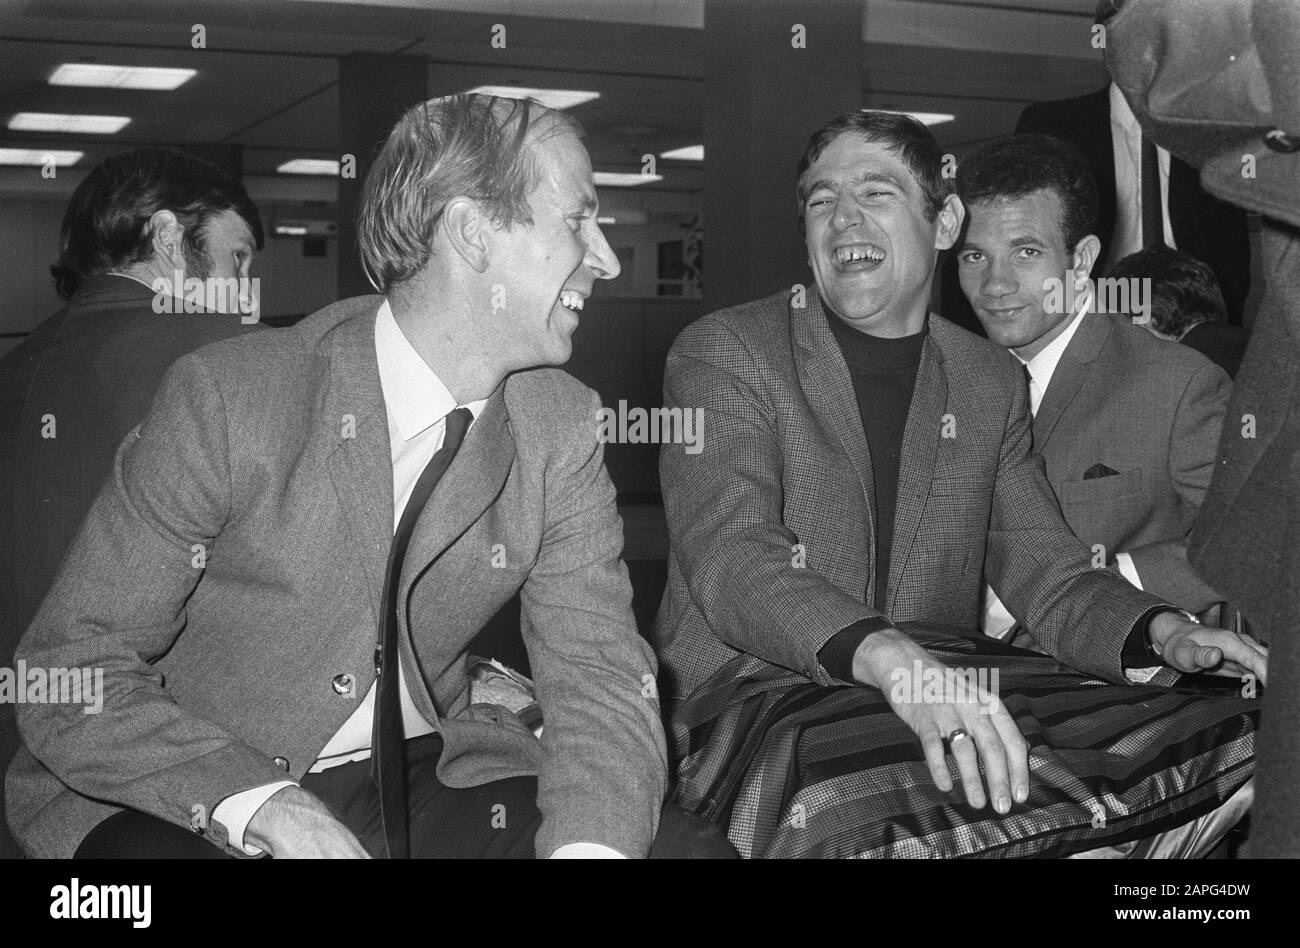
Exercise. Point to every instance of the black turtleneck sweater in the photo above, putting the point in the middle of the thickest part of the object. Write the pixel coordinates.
(883, 372)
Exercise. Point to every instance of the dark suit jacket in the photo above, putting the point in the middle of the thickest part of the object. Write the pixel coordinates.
(1218, 87)
(771, 527)
(92, 368)
(1222, 344)
(1150, 410)
(1211, 230)
(271, 453)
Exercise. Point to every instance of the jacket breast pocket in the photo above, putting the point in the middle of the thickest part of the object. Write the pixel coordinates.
(1109, 491)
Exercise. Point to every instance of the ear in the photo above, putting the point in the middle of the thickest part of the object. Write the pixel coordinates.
(950, 218)
(165, 236)
(468, 231)
(1086, 252)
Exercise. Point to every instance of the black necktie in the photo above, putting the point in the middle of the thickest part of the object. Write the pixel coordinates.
(1153, 223)
(388, 760)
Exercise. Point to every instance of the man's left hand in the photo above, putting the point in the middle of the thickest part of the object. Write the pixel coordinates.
(1192, 647)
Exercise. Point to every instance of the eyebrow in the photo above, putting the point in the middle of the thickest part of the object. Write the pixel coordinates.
(1023, 240)
(588, 203)
(866, 177)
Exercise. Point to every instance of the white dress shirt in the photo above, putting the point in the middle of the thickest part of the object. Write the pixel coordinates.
(417, 404)
(997, 620)
(1126, 144)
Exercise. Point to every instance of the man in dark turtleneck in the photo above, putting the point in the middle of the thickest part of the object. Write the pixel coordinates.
(883, 371)
(866, 463)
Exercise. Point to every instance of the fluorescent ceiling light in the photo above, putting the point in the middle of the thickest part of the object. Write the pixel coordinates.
(551, 98)
(120, 77)
(606, 221)
(51, 122)
(689, 153)
(321, 166)
(620, 179)
(33, 156)
(925, 118)
(291, 230)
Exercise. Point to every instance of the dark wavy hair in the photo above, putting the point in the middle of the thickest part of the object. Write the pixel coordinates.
(105, 226)
(911, 141)
(1018, 165)
(1184, 291)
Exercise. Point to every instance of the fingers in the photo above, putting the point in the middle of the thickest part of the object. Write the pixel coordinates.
(932, 745)
(968, 764)
(1246, 654)
(1218, 650)
(1016, 749)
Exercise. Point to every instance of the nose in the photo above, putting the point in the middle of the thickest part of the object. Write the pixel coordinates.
(999, 280)
(847, 212)
(601, 259)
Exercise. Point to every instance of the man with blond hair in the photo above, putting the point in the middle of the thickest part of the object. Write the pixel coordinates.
(283, 577)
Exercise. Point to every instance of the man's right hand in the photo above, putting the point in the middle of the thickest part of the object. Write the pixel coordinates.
(293, 824)
(891, 661)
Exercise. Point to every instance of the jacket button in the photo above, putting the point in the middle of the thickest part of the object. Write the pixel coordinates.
(343, 684)
(281, 762)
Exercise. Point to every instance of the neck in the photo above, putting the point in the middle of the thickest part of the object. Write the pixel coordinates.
(885, 325)
(1032, 349)
(154, 273)
(450, 343)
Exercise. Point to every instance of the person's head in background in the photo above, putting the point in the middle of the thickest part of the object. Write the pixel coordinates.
(1030, 240)
(152, 213)
(1183, 291)
(875, 209)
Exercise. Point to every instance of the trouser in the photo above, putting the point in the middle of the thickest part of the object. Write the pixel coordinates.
(496, 820)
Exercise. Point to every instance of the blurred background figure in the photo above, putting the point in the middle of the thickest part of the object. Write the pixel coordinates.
(85, 376)
(1186, 304)
(1227, 82)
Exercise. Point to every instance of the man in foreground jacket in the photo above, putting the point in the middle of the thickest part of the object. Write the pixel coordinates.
(298, 544)
(1219, 84)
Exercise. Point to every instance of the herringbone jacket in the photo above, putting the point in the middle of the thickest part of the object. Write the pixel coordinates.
(771, 525)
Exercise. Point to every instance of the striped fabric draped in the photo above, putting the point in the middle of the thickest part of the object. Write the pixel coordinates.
(795, 769)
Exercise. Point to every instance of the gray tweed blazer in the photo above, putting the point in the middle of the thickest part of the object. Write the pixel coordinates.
(771, 524)
(270, 452)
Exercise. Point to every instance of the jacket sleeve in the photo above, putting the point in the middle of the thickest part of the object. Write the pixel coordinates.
(724, 510)
(1044, 574)
(1193, 445)
(119, 603)
(604, 767)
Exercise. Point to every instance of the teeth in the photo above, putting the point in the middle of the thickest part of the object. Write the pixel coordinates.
(571, 299)
(850, 254)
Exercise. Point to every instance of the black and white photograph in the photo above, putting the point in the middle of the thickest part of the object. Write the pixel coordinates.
(650, 429)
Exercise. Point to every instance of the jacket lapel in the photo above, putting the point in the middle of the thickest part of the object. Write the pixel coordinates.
(468, 487)
(360, 462)
(825, 381)
(1071, 372)
(925, 424)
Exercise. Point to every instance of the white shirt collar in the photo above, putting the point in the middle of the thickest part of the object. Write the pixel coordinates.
(1121, 115)
(414, 397)
(1043, 365)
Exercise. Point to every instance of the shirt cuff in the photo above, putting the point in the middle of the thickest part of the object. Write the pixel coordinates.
(1135, 654)
(236, 810)
(1124, 562)
(586, 851)
(836, 656)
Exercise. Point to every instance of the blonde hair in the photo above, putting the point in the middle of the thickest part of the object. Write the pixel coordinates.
(471, 145)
